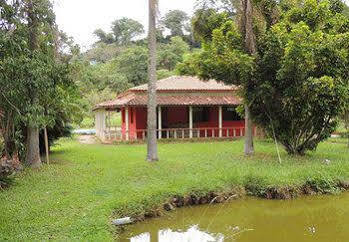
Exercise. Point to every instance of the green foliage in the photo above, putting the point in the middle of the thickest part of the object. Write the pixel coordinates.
(297, 85)
(302, 76)
(176, 21)
(224, 58)
(205, 21)
(171, 54)
(106, 38)
(35, 83)
(125, 30)
(162, 74)
(133, 63)
(190, 63)
(101, 52)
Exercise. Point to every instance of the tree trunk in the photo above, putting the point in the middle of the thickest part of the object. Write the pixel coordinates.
(250, 44)
(33, 150)
(46, 146)
(152, 151)
(249, 147)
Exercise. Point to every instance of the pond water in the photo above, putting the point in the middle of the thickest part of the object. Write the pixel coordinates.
(317, 218)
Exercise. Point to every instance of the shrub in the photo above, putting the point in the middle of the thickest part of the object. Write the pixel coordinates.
(301, 83)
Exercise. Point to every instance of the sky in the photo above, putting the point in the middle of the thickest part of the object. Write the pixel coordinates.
(79, 18)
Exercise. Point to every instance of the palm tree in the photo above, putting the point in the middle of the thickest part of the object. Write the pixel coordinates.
(152, 150)
(250, 45)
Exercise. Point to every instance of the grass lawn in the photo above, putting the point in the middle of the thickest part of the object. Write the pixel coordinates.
(76, 196)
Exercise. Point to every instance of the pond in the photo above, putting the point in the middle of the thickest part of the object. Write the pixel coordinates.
(315, 218)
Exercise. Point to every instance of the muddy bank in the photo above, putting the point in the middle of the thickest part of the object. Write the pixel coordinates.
(279, 193)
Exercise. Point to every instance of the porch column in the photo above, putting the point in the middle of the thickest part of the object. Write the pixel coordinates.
(160, 122)
(220, 121)
(190, 122)
(126, 123)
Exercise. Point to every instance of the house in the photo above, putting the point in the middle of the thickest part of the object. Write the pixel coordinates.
(187, 108)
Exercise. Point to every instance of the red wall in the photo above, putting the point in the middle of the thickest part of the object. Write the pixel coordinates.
(132, 122)
(174, 116)
(141, 118)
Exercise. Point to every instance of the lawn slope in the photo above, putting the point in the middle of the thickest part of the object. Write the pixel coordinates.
(75, 197)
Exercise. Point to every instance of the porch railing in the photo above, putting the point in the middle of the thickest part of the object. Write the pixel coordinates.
(178, 133)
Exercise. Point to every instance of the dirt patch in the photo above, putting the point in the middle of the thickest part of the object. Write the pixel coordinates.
(87, 139)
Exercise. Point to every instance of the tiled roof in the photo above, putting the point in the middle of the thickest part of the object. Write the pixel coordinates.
(141, 100)
(186, 83)
(133, 97)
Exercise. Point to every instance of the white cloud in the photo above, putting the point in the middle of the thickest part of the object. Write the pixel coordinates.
(79, 18)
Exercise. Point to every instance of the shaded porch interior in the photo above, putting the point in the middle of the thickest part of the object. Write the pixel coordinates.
(174, 122)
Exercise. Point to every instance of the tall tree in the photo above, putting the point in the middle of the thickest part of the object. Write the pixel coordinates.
(176, 21)
(104, 37)
(171, 54)
(152, 149)
(34, 83)
(125, 30)
(205, 21)
(33, 149)
(302, 82)
(250, 45)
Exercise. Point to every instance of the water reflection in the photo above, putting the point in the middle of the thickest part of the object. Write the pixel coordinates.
(314, 219)
(193, 234)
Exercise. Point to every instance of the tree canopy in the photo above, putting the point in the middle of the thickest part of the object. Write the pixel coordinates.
(297, 83)
(35, 83)
(177, 22)
(123, 32)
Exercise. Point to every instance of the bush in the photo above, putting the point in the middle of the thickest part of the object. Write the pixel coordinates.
(301, 84)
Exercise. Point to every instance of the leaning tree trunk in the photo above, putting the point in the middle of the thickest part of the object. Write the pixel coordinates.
(250, 45)
(152, 154)
(33, 150)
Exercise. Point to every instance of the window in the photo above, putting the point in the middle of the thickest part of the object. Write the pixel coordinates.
(230, 114)
(201, 114)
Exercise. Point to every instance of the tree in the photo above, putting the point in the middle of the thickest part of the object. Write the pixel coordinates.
(190, 63)
(170, 54)
(34, 77)
(132, 63)
(225, 51)
(33, 150)
(302, 75)
(125, 30)
(231, 7)
(205, 21)
(176, 21)
(345, 119)
(251, 48)
(104, 37)
(152, 152)
(102, 53)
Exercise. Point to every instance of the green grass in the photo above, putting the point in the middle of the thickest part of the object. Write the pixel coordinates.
(76, 196)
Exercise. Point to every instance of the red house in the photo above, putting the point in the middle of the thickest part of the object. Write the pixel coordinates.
(187, 108)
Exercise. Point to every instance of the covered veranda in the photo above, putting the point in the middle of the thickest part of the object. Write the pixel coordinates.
(173, 122)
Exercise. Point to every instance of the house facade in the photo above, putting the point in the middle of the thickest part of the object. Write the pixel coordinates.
(187, 108)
